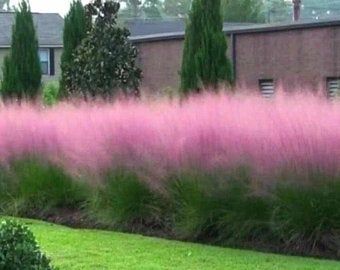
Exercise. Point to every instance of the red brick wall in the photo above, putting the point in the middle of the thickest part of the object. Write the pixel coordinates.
(295, 59)
(160, 62)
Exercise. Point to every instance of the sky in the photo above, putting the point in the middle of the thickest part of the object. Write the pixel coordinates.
(58, 6)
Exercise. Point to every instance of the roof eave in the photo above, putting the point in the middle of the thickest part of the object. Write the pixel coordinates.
(40, 46)
(262, 28)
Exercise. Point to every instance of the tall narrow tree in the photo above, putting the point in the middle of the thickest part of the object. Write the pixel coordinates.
(22, 71)
(205, 63)
(76, 25)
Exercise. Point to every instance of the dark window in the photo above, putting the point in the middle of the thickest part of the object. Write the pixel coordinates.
(44, 55)
(267, 88)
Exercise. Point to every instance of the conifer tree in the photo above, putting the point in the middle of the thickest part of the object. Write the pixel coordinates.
(21, 70)
(205, 63)
(76, 26)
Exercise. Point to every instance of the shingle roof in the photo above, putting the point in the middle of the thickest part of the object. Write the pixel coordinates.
(141, 27)
(232, 28)
(49, 28)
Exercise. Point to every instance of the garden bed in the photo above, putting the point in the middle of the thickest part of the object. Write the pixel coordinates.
(228, 171)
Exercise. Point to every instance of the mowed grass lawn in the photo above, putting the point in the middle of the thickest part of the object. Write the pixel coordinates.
(90, 249)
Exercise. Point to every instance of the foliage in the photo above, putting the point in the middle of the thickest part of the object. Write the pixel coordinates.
(22, 71)
(243, 11)
(50, 93)
(306, 217)
(132, 8)
(10, 83)
(105, 62)
(219, 207)
(5, 5)
(243, 216)
(126, 202)
(76, 26)
(19, 249)
(136, 9)
(277, 10)
(177, 8)
(194, 208)
(35, 188)
(151, 9)
(205, 63)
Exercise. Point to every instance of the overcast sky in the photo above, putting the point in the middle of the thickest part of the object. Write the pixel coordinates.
(58, 6)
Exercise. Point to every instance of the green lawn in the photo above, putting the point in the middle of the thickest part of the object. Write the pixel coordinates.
(89, 249)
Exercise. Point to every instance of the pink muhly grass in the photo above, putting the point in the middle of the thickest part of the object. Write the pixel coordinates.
(299, 133)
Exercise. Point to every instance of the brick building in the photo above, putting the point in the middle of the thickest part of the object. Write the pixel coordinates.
(298, 55)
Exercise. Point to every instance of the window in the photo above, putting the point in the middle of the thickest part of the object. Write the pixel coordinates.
(333, 87)
(267, 88)
(44, 55)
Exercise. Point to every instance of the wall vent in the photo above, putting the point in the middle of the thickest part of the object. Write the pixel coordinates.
(333, 87)
(267, 88)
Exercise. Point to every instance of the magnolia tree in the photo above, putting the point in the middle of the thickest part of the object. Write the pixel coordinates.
(104, 64)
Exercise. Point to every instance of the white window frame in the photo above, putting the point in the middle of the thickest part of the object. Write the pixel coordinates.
(48, 60)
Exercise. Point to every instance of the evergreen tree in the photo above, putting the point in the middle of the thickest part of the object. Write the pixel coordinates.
(105, 62)
(22, 71)
(76, 26)
(205, 63)
(9, 86)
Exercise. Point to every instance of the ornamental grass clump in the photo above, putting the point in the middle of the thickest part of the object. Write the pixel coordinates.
(307, 217)
(127, 203)
(36, 188)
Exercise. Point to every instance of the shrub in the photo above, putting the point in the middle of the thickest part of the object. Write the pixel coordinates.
(193, 205)
(19, 249)
(243, 216)
(307, 217)
(36, 188)
(218, 206)
(50, 93)
(5, 197)
(126, 202)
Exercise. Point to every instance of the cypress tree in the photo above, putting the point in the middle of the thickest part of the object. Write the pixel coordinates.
(205, 62)
(76, 25)
(22, 71)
